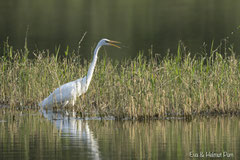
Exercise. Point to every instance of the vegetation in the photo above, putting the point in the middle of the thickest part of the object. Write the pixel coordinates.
(142, 88)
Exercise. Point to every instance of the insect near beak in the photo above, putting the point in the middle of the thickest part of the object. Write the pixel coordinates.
(113, 43)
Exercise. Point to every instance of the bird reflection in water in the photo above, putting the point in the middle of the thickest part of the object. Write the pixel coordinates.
(74, 128)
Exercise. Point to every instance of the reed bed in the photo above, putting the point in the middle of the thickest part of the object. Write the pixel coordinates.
(140, 88)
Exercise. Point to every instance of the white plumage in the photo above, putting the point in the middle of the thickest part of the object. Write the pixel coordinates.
(68, 93)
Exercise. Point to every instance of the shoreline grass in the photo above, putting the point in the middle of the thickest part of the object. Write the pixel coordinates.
(142, 88)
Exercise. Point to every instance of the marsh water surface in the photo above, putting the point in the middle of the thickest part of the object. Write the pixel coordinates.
(33, 136)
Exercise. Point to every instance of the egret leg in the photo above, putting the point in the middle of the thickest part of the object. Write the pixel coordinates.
(73, 102)
(65, 103)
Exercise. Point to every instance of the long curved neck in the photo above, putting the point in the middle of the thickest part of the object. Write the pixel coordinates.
(92, 65)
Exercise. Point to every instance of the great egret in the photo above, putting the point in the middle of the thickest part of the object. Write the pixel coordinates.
(67, 93)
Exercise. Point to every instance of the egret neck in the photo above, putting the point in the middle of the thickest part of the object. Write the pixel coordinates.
(92, 65)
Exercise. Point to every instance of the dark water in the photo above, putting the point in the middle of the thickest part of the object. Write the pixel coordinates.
(31, 136)
(138, 24)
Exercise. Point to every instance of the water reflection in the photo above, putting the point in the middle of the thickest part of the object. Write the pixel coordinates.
(77, 129)
(29, 135)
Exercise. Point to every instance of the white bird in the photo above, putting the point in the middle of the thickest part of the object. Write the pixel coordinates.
(68, 93)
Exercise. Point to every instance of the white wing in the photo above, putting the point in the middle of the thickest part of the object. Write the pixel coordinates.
(65, 93)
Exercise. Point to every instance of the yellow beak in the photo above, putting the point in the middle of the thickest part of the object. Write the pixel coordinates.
(113, 43)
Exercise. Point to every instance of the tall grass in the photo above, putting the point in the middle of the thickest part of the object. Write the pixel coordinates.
(143, 87)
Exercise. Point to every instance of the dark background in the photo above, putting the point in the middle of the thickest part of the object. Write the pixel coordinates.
(138, 24)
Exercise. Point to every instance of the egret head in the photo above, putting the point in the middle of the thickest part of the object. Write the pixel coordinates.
(108, 42)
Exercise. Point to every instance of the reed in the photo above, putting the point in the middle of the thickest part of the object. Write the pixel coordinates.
(140, 88)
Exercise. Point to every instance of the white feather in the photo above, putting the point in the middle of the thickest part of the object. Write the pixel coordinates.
(68, 93)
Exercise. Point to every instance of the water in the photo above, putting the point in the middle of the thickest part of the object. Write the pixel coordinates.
(31, 136)
(138, 24)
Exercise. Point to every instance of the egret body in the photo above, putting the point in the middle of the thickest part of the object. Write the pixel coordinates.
(68, 93)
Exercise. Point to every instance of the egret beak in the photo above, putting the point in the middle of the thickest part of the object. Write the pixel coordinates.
(113, 43)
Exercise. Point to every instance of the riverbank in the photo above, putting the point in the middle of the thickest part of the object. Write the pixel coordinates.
(141, 88)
